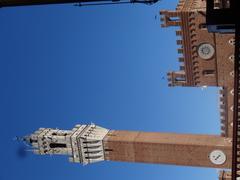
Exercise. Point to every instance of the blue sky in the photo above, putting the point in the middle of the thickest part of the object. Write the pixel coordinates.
(62, 65)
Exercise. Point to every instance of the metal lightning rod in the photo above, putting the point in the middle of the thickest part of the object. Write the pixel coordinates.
(12, 3)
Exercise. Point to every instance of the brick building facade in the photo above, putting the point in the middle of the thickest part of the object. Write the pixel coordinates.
(206, 59)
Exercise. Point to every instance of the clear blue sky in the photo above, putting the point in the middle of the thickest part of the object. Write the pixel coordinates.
(62, 65)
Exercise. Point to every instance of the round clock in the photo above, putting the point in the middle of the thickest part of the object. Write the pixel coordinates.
(206, 51)
(217, 157)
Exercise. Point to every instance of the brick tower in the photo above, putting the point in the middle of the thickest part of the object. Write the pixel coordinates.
(90, 143)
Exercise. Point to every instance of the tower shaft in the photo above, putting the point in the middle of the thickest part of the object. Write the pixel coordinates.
(166, 148)
(90, 143)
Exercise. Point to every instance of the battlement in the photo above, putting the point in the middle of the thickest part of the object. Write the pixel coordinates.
(186, 41)
(196, 45)
(223, 106)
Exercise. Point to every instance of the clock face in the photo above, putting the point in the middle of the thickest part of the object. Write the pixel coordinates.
(217, 157)
(206, 51)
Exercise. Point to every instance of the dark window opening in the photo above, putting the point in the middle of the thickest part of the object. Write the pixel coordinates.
(33, 141)
(226, 27)
(108, 150)
(90, 142)
(55, 134)
(93, 157)
(92, 152)
(202, 26)
(208, 72)
(91, 147)
(58, 145)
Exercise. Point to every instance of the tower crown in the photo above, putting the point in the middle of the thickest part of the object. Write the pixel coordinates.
(176, 78)
(83, 143)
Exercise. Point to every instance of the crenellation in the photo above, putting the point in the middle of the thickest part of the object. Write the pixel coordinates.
(179, 42)
(181, 59)
(223, 105)
(182, 67)
(178, 32)
(180, 50)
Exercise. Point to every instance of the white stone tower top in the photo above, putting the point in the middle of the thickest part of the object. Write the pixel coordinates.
(84, 143)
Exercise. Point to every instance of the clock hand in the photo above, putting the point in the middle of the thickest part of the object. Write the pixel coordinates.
(217, 157)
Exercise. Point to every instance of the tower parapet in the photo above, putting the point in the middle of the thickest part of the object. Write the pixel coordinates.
(84, 143)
